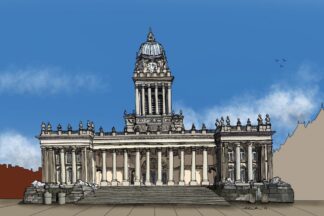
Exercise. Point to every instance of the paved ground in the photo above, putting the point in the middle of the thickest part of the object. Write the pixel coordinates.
(299, 208)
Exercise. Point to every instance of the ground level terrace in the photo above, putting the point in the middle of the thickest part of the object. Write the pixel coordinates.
(299, 208)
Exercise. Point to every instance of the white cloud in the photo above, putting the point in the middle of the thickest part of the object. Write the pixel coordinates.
(17, 149)
(46, 81)
(285, 104)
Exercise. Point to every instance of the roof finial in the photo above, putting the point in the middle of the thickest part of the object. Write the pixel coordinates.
(150, 35)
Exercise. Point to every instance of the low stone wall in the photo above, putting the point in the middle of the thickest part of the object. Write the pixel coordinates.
(265, 192)
(73, 193)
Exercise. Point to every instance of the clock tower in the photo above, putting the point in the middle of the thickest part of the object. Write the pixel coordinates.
(153, 91)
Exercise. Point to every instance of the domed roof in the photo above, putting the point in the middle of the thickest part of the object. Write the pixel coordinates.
(151, 48)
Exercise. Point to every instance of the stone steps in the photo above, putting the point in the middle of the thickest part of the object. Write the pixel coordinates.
(154, 195)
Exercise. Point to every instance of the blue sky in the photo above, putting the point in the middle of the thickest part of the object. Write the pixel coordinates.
(66, 61)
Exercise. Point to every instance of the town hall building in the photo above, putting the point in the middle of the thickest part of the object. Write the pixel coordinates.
(155, 149)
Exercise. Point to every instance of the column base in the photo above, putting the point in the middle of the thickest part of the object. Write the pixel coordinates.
(181, 183)
(147, 183)
(205, 183)
(159, 183)
(114, 183)
(170, 183)
(125, 183)
(193, 183)
(104, 183)
(137, 183)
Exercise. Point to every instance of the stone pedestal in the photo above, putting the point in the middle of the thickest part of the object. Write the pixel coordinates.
(114, 183)
(205, 183)
(181, 183)
(170, 183)
(193, 183)
(159, 183)
(137, 183)
(47, 198)
(61, 198)
(125, 183)
(104, 183)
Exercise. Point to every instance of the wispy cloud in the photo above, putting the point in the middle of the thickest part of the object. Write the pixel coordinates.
(47, 80)
(286, 103)
(17, 149)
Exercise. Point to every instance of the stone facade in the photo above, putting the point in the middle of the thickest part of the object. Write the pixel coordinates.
(155, 148)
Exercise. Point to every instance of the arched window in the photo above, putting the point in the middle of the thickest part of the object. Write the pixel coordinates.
(243, 174)
(231, 173)
(255, 156)
(230, 155)
(255, 174)
(242, 154)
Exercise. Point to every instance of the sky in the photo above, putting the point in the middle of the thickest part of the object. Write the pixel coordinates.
(66, 61)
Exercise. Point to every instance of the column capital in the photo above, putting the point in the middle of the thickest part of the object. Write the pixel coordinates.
(62, 149)
(204, 148)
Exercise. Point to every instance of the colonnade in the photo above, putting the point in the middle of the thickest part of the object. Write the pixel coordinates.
(88, 165)
(147, 181)
(264, 167)
(238, 162)
(141, 91)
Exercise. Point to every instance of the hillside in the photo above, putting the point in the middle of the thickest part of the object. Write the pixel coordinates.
(300, 160)
(15, 179)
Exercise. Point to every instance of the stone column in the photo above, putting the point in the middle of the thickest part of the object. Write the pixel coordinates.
(266, 162)
(125, 180)
(270, 163)
(171, 181)
(163, 99)
(250, 158)
(62, 166)
(114, 174)
(143, 100)
(44, 165)
(137, 104)
(149, 100)
(104, 169)
(74, 176)
(181, 179)
(148, 169)
(93, 166)
(193, 167)
(169, 99)
(156, 99)
(52, 165)
(237, 162)
(85, 165)
(137, 168)
(159, 175)
(205, 168)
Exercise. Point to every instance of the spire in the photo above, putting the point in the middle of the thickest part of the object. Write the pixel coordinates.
(150, 36)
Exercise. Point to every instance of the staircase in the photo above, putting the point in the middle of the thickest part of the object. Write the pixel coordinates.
(154, 195)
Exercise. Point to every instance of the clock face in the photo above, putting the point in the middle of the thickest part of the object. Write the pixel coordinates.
(152, 66)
